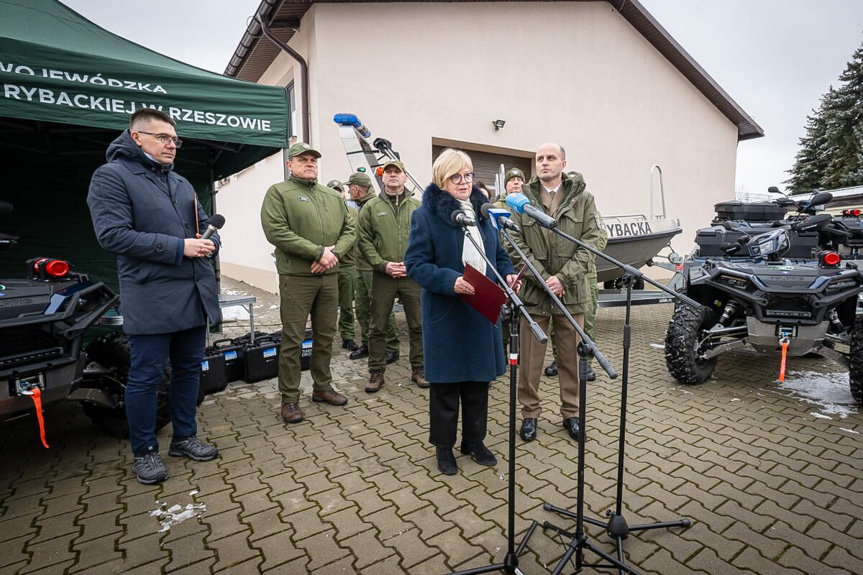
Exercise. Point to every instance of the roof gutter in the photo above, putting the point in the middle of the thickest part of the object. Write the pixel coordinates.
(305, 134)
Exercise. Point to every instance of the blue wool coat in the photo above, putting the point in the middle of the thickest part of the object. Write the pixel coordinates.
(459, 344)
(142, 211)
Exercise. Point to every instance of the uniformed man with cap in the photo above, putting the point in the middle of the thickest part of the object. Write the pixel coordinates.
(347, 279)
(384, 225)
(311, 228)
(360, 190)
(512, 183)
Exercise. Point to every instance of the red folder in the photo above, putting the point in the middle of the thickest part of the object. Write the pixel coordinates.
(488, 297)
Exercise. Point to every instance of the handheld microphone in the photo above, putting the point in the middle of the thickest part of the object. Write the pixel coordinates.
(214, 225)
(519, 203)
(460, 218)
(499, 218)
(5, 208)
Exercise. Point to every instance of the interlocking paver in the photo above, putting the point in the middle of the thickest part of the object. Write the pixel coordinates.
(769, 487)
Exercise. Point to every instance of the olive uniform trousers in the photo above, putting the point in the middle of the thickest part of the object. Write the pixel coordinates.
(300, 297)
(348, 279)
(364, 312)
(385, 289)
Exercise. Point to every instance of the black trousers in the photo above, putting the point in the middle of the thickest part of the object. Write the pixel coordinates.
(443, 412)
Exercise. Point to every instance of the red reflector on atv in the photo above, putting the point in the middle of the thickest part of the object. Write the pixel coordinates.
(47, 268)
(851, 213)
(830, 259)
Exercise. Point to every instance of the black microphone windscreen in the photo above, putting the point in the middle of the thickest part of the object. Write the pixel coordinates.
(217, 221)
(5, 208)
(484, 210)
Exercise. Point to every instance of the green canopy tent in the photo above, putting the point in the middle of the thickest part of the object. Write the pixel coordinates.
(67, 89)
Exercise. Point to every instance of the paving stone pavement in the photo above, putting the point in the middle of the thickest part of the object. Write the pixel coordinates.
(771, 480)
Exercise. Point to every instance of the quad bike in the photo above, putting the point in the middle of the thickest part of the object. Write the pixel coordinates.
(776, 282)
(45, 317)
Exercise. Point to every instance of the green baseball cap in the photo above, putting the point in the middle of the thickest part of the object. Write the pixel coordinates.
(513, 173)
(335, 184)
(360, 180)
(301, 148)
(395, 163)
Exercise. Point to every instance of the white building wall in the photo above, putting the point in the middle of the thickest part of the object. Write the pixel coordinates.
(573, 73)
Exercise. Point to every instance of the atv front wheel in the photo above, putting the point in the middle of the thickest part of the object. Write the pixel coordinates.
(112, 353)
(684, 347)
(855, 373)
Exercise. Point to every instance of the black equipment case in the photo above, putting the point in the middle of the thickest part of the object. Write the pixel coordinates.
(261, 359)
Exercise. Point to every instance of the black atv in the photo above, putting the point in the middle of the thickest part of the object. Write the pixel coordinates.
(44, 319)
(775, 282)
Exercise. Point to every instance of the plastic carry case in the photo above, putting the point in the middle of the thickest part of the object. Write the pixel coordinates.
(233, 358)
(214, 375)
(306, 351)
(261, 359)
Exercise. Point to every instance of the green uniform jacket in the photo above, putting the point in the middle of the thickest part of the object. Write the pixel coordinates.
(362, 264)
(349, 260)
(301, 217)
(384, 227)
(555, 255)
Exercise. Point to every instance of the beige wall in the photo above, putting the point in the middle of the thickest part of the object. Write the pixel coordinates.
(573, 73)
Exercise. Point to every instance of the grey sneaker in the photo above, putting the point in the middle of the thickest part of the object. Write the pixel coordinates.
(149, 468)
(193, 448)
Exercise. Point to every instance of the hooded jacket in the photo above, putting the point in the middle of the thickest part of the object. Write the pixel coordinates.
(143, 211)
(555, 255)
(459, 343)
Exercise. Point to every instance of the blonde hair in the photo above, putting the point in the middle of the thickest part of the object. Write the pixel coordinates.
(449, 163)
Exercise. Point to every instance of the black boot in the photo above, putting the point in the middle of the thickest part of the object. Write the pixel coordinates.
(360, 353)
(446, 460)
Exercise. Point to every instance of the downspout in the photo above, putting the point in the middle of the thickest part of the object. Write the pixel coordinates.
(304, 77)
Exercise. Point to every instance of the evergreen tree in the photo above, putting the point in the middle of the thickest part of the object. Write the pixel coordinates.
(831, 153)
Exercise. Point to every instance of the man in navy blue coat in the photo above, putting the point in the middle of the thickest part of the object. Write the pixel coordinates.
(150, 217)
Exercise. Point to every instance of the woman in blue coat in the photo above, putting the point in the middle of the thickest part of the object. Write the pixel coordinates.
(462, 350)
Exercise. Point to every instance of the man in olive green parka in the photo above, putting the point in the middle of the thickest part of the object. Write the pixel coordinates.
(384, 225)
(564, 268)
(311, 228)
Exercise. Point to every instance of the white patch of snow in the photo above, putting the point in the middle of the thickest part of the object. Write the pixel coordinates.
(235, 313)
(820, 415)
(850, 430)
(177, 513)
(829, 390)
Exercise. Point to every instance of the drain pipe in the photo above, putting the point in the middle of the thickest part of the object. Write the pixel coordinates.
(304, 77)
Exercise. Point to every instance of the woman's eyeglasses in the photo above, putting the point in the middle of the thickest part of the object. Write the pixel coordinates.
(459, 178)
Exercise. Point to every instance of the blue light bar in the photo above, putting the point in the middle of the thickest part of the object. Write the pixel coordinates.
(352, 120)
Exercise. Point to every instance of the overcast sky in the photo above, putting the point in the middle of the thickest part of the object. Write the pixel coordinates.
(775, 58)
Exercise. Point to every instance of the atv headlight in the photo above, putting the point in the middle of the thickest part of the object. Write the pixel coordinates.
(733, 281)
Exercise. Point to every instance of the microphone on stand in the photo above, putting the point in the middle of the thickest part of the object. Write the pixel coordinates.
(460, 218)
(499, 217)
(519, 203)
(213, 225)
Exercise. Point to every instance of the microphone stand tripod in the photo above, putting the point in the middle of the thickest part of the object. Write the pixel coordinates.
(616, 526)
(586, 348)
(510, 562)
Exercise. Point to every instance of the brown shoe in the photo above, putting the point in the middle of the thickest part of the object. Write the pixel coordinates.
(330, 397)
(292, 413)
(376, 380)
(418, 375)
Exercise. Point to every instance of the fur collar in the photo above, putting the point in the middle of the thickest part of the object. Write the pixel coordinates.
(441, 204)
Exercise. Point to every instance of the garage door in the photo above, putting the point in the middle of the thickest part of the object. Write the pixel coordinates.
(486, 164)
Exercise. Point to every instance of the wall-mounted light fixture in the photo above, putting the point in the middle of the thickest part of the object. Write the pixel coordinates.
(498, 124)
